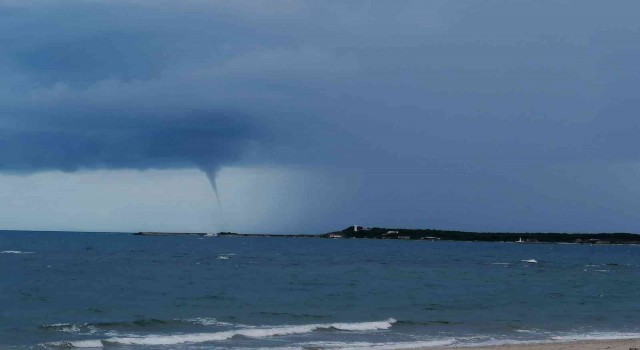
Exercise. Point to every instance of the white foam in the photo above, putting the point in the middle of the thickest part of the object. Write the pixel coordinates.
(532, 331)
(58, 325)
(208, 321)
(208, 337)
(82, 328)
(530, 261)
(87, 344)
(596, 336)
(257, 332)
(79, 344)
(65, 327)
(363, 326)
(15, 252)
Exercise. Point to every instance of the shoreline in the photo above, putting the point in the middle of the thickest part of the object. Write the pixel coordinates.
(597, 344)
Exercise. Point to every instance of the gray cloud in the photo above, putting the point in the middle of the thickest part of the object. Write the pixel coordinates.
(446, 109)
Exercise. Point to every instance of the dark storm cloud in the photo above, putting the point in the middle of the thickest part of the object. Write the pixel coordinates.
(459, 102)
(197, 139)
(79, 71)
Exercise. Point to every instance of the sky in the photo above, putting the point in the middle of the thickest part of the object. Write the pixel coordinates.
(311, 116)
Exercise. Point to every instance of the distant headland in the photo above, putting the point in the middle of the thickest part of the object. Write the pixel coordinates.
(361, 232)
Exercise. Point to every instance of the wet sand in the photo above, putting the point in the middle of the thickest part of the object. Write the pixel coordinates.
(620, 344)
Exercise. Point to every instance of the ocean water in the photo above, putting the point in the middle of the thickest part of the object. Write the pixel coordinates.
(119, 291)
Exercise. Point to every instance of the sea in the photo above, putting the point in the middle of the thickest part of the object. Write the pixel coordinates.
(61, 290)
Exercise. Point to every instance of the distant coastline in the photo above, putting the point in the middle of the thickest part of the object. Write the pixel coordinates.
(360, 232)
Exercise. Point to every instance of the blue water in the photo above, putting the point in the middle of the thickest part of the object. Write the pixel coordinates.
(63, 289)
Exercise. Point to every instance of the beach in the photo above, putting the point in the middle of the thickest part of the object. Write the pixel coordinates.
(617, 344)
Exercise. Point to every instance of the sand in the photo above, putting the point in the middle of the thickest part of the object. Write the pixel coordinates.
(624, 344)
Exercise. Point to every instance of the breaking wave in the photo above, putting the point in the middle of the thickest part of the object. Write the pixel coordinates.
(596, 336)
(257, 332)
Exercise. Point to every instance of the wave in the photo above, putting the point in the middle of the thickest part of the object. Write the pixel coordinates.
(587, 270)
(91, 328)
(273, 331)
(225, 256)
(207, 321)
(596, 336)
(66, 327)
(529, 331)
(78, 344)
(257, 332)
(79, 327)
(15, 252)
(362, 326)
